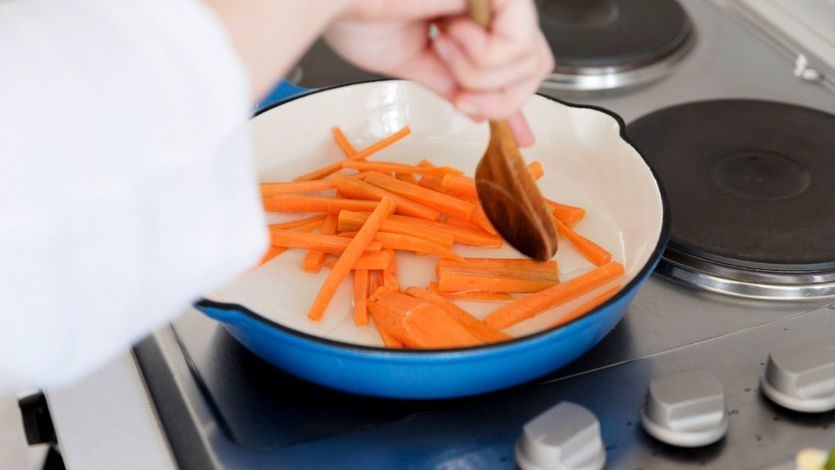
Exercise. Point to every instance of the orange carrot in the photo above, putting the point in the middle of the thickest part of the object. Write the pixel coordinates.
(432, 327)
(480, 218)
(512, 267)
(569, 215)
(311, 186)
(398, 241)
(478, 296)
(439, 201)
(272, 252)
(461, 223)
(586, 307)
(360, 297)
(451, 280)
(589, 249)
(300, 239)
(388, 340)
(296, 203)
(349, 258)
(390, 274)
(476, 327)
(320, 173)
(305, 225)
(313, 260)
(465, 233)
(299, 223)
(349, 221)
(375, 279)
(390, 322)
(465, 186)
(527, 307)
(381, 144)
(342, 142)
(369, 261)
(409, 178)
(391, 167)
(353, 187)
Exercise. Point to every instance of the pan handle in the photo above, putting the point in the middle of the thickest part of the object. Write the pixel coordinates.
(283, 91)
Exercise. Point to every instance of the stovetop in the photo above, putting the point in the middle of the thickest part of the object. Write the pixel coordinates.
(223, 407)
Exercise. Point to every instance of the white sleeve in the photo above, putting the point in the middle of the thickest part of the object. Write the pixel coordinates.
(126, 183)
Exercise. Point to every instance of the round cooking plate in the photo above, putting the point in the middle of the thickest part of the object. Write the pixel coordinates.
(750, 185)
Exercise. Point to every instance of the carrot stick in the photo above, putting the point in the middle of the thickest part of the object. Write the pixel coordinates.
(320, 173)
(569, 215)
(313, 259)
(369, 261)
(375, 279)
(461, 223)
(390, 322)
(586, 307)
(272, 252)
(455, 280)
(349, 221)
(360, 297)
(431, 326)
(300, 239)
(465, 234)
(355, 188)
(479, 329)
(409, 178)
(465, 186)
(398, 241)
(527, 307)
(439, 201)
(349, 258)
(342, 142)
(589, 249)
(478, 296)
(311, 186)
(305, 225)
(296, 203)
(381, 144)
(512, 267)
(390, 274)
(388, 340)
(299, 223)
(391, 167)
(480, 218)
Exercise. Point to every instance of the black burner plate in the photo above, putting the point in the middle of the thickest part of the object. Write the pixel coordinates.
(750, 183)
(612, 33)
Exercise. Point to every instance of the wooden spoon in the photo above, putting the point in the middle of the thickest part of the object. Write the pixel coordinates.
(507, 191)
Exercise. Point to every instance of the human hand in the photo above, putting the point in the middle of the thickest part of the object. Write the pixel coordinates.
(485, 74)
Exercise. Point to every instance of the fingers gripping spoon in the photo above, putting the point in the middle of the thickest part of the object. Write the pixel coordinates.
(505, 187)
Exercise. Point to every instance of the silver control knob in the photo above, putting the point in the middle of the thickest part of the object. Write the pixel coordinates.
(802, 377)
(566, 437)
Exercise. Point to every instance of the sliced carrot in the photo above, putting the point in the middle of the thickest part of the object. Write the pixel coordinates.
(388, 340)
(432, 327)
(296, 203)
(399, 241)
(465, 186)
(342, 142)
(569, 215)
(356, 188)
(370, 261)
(451, 280)
(480, 218)
(527, 307)
(439, 201)
(461, 223)
(391, 167)
(349, 258)
(513, 267)
(586, 307)
(589, 249)
(311, 186)
(305, 225)
(360, 297)
(300, 239)
(409, 178)
(390, 322)
(476, 326)
(272, 252)
(381, 144)
(313, 259)
(390, 273)
(349, 221)
(428, 181)
(320, 173)
(478, 296)
(465, 233)
(299, 223)
(375, 279)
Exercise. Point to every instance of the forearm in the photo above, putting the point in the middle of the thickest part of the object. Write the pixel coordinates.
(270, 35)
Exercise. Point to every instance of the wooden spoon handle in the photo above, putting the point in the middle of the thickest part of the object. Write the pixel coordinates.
(480, 12)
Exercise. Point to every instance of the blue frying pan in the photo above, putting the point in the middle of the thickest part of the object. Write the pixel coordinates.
(588, 162)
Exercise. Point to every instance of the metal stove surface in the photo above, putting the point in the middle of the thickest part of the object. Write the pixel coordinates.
(223, 407)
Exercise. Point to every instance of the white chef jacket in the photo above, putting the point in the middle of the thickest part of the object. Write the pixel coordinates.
(127, 188)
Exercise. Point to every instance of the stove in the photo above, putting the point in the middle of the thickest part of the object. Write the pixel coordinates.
(721, 105)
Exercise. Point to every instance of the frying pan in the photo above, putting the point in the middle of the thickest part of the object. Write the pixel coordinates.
(588, 162)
